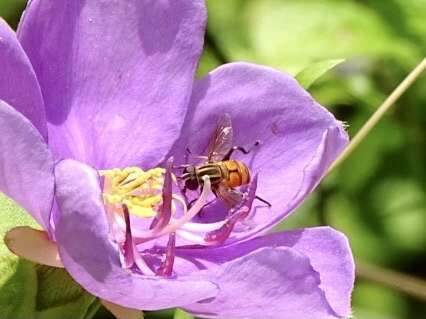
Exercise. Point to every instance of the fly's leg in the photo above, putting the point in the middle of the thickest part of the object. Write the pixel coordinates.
(187, 153)
(240, 149)
(263, 201)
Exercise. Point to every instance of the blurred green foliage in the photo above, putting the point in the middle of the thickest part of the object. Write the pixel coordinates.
(377, 197)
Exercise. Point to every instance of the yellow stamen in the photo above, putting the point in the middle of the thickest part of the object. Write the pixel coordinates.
(140, 190)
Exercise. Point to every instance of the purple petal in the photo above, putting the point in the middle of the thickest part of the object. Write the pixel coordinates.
(299, 138)
(305, 273)
(18, 83)
(93, 260)
(26, 164)
(116, 76)
(273, 283)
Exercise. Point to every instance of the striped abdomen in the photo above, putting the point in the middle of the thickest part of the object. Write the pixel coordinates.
(238, 173)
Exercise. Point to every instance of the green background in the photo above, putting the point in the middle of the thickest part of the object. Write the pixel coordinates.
(377, 197)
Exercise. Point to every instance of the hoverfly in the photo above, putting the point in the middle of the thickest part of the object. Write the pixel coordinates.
(225, 174)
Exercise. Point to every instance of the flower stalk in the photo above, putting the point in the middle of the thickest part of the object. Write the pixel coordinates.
(410, 285)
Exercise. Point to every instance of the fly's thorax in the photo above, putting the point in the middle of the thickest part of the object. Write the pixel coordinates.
(215, 171)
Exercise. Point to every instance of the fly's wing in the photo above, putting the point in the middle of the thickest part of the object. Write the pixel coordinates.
(230, 196)
(221, 140)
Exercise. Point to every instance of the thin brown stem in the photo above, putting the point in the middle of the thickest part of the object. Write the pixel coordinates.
(374, 119)
(410, 285)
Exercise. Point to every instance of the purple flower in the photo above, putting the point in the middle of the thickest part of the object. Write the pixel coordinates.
(97, 98)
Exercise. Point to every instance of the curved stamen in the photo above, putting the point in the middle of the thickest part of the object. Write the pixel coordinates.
(193, 211)
(192, 238)
(202, 228)
(182, 201)
(176, 224)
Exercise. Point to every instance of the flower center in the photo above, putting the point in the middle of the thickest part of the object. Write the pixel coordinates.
(143, 211)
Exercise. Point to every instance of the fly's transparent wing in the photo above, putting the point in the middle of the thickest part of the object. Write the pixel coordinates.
(230, 196)
(221, 140)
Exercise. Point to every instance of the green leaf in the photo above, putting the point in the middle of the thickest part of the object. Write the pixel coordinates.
(311, 73)
(180, 314)
(28, 290)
